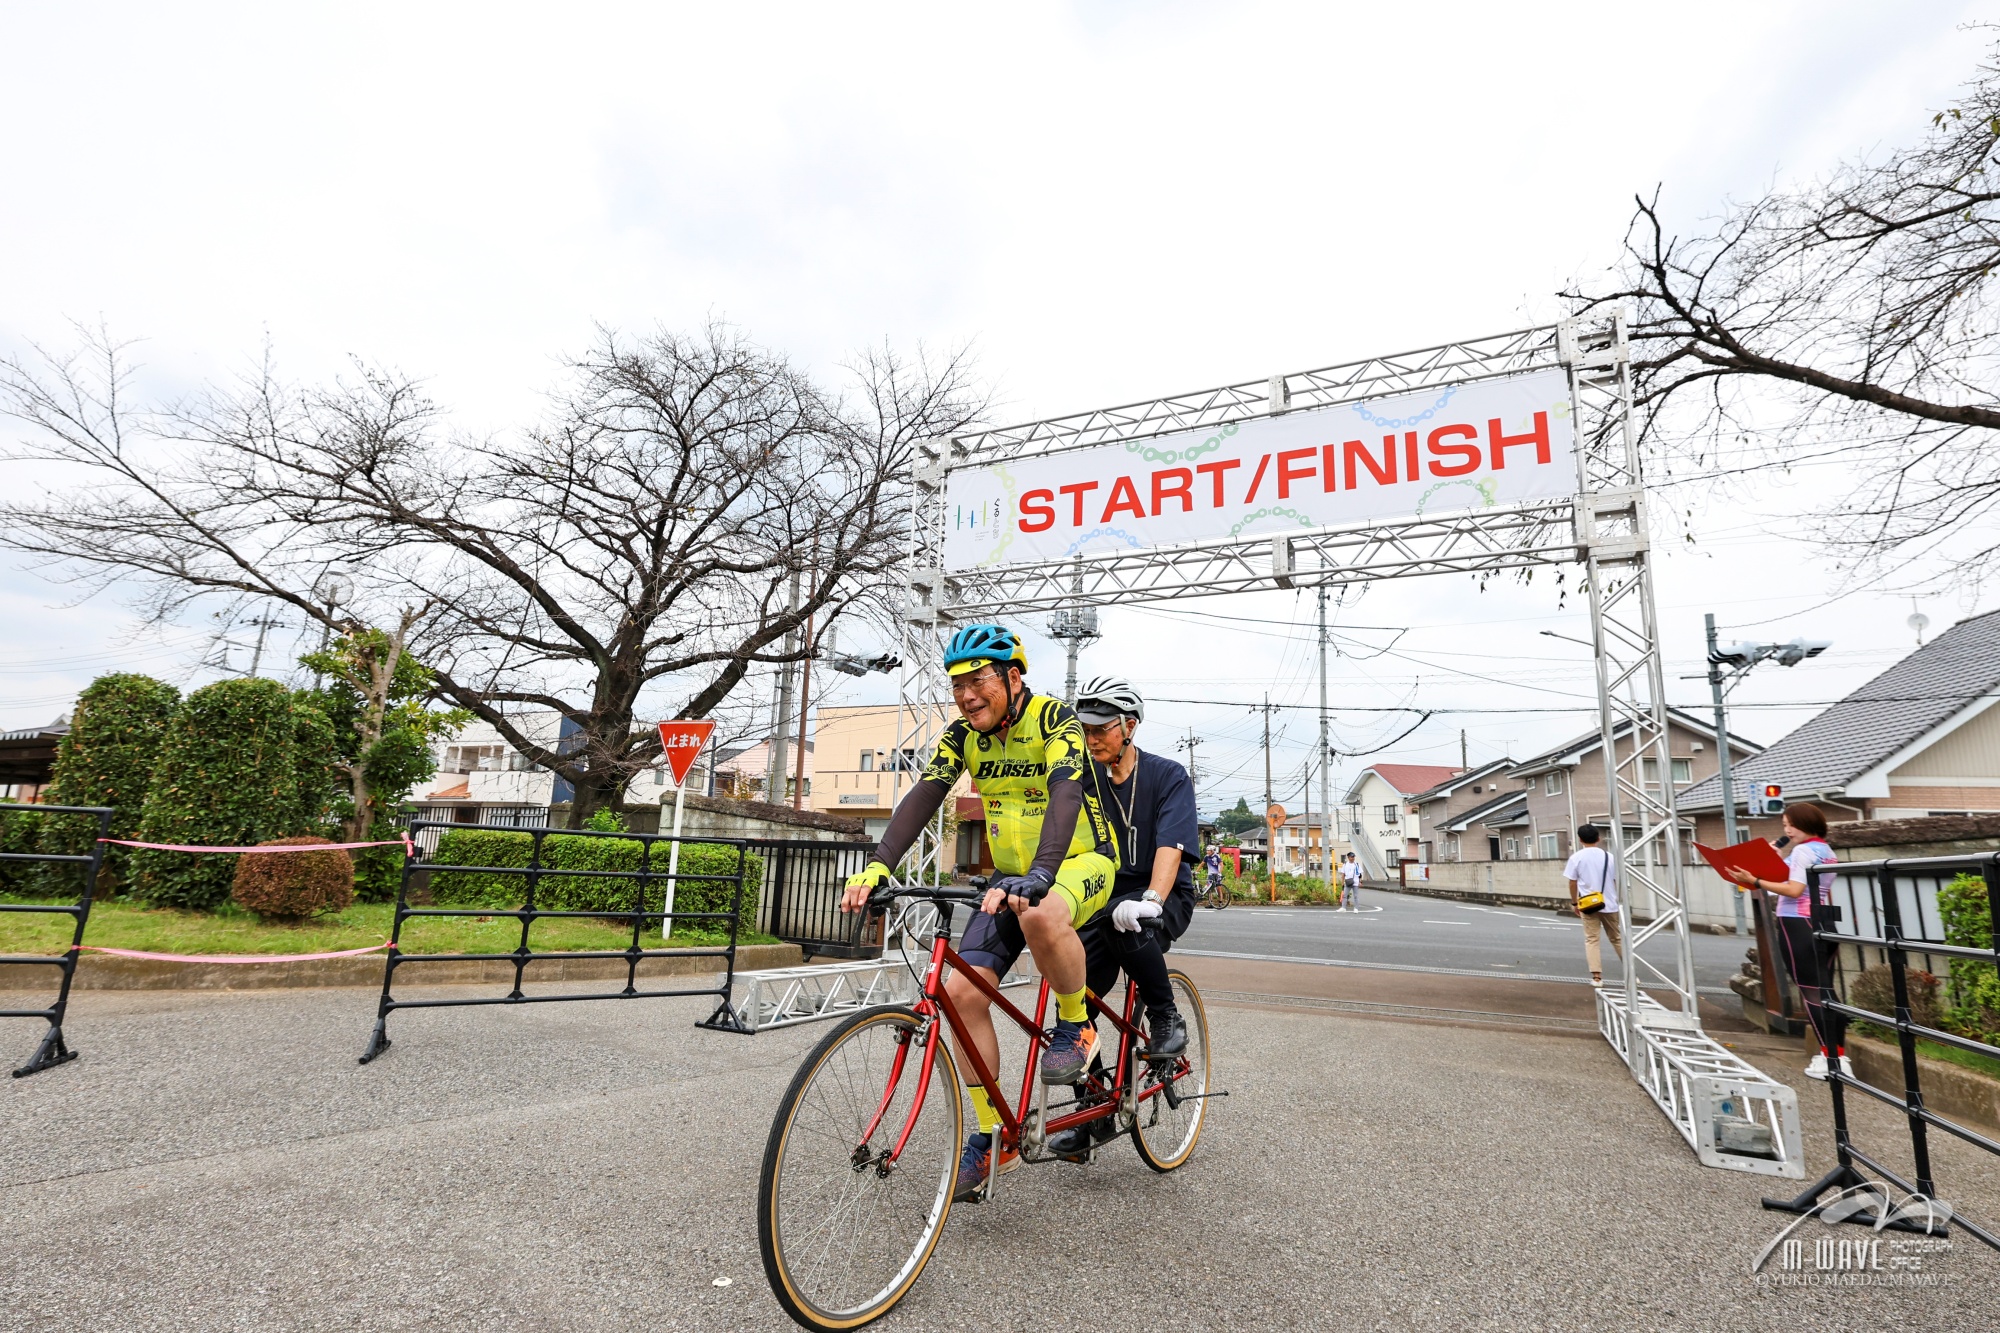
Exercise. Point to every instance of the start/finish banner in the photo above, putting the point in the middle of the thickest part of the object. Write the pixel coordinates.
(1465, 446)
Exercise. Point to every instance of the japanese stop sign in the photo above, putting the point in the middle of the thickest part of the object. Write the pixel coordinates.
(682, 742)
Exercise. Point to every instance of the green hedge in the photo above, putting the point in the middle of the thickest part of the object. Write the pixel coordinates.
(107, 758)
(1974, 990)
(243, 761)
(20, 831)
(565, 893)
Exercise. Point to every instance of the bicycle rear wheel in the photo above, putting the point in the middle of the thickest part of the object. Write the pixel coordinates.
(1165, 1134)
(842, 1242)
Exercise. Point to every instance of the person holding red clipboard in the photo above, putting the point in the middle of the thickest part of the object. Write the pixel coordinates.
(1809, 960)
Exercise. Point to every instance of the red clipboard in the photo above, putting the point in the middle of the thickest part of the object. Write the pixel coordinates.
(1757, 856)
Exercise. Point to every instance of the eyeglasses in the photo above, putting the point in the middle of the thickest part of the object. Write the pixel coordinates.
(971, 681)
(1104, 729)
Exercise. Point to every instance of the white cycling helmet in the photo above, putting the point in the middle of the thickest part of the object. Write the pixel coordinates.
(1106, 699)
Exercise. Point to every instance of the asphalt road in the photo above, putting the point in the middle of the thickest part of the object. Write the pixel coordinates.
(219, 1162)
(1440, 934)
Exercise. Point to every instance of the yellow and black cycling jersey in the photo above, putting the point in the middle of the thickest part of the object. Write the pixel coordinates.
(1012, 776)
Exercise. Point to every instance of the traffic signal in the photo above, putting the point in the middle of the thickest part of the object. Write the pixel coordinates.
(1769, 800)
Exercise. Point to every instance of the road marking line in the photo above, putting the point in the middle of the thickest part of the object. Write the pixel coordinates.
(1429, 922)
(1721, 991)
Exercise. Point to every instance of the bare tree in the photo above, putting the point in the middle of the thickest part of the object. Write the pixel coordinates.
(1854, 317)
(643, 540)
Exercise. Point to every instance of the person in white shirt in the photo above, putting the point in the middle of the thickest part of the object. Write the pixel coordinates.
(1589, 871)
(1350, 881)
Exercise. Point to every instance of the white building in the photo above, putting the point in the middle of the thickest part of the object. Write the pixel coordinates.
(1382, 822)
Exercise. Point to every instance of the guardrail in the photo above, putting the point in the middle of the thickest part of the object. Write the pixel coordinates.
(53, 1050)
(654, 851)
(1880, 906)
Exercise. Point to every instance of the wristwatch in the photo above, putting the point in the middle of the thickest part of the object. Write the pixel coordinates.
(1151, 895)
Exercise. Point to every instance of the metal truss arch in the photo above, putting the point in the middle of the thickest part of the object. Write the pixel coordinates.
(1602, 528)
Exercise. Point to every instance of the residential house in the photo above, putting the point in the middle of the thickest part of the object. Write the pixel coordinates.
(1922, 739)
(862, 773)
(744, 772)
(482, 779)
(1447, 836)
(1381, 822)
(1299, 846)
(1565, 786)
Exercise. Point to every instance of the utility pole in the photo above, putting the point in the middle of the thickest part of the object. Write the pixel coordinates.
(264, 624)
(1075, 626)
(1729, 834)
(805, 705)
(1464, 763)
(781, 725)
(1325, 760)
(1192, 741)
(1266, 711)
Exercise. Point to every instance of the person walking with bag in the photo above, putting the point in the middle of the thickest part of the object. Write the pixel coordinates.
(1593, 895)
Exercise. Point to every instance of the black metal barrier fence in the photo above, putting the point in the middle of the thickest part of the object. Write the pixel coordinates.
(1884, 912)
(655, 856)
(53, 1050)
(801, 902)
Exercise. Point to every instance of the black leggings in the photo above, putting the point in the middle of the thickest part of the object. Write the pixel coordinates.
(1810, 961)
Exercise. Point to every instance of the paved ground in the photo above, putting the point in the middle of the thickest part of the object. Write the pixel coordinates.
(220, 1162)
(1439, 933)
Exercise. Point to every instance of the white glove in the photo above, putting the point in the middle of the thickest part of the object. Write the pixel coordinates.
(1128, 914)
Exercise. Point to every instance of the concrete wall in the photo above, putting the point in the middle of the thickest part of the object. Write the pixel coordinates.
(1541, 883)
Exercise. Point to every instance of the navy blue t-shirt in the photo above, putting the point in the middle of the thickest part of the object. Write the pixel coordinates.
(1162, 805)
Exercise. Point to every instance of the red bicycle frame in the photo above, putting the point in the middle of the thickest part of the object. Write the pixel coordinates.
(934, 1005)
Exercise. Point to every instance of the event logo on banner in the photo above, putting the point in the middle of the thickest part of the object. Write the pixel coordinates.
(1462, 447)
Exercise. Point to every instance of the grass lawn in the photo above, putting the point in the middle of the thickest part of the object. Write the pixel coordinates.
(117, 924)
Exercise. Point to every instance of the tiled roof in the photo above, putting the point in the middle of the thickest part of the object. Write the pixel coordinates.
(1409, 779)
(1889, 712)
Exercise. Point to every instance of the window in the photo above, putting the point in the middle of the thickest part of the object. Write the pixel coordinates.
(1650, 770)
(1683, 772)
(1552, 783)
(1392, 814)
(1549, 847)
(867, 764)
(1513, 851)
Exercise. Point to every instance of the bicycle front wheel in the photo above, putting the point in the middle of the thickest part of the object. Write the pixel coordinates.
(1222, 897)
(844, 1233)
(1165, 1133)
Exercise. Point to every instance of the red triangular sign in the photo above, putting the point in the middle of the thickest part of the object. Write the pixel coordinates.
(682, 741)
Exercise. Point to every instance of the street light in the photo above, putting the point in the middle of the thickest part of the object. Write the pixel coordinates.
(1728, 664)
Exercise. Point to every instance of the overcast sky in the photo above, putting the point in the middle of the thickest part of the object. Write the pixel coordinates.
(1107, 201)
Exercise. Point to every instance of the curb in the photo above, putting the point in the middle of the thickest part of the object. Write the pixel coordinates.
(98, 972)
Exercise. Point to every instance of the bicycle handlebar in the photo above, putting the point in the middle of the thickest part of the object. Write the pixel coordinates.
(879, 900)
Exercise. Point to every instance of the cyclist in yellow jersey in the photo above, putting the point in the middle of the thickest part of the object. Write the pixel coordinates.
(1053, 851)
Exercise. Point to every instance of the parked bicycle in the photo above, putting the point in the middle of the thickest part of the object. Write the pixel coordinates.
(863, 1155)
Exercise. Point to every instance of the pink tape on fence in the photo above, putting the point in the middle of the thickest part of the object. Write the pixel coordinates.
(403, 842)
(233, 957)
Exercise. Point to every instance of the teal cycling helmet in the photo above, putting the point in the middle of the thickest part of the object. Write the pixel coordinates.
(976, 646)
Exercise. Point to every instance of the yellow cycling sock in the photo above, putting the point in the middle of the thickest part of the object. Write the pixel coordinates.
(982, 1109)
(1069, 1008)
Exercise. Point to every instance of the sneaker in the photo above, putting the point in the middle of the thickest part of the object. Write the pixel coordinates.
(972, 1165)
(1167, 1033)
(1846, 1067)
(1069, 1052)
(1816, 1067)
(1075, 1143)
